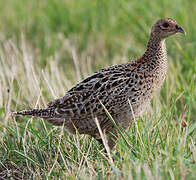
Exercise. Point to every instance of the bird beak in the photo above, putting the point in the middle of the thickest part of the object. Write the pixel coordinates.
(180, 30)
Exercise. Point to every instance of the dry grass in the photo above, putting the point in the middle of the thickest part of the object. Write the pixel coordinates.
(37, 69)
(47, 151)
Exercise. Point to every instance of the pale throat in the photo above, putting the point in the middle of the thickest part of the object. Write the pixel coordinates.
(156, 56)
(156, 49)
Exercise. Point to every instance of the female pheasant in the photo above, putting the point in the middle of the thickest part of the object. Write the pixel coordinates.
(125, 90)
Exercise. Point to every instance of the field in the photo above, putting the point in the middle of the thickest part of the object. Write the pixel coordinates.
(48, 46)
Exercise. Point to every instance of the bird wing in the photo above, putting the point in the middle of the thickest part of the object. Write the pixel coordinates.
(106, 86)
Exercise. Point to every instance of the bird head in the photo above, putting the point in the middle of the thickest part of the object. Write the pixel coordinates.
(164, 28)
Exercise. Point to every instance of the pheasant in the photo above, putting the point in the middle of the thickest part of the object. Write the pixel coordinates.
(125, 90)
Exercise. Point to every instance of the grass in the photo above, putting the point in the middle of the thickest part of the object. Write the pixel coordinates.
(47, 46)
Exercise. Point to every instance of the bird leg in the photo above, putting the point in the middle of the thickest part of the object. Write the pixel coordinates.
(111, 140)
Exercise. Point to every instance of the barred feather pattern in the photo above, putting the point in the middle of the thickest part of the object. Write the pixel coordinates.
(43, 113)
(120, 88)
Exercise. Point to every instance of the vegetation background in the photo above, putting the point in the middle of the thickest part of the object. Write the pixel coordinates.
(47, 46)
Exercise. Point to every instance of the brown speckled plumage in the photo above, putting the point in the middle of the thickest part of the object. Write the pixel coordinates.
(116, 87)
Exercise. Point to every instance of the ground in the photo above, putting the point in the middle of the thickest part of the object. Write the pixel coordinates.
(48, 46)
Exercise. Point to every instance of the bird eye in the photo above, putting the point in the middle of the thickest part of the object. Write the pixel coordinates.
(165, 25)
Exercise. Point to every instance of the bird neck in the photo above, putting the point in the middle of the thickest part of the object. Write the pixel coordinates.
(156, 50)
(156, 59)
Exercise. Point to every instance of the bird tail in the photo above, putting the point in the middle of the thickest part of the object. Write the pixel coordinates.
(43, 113)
